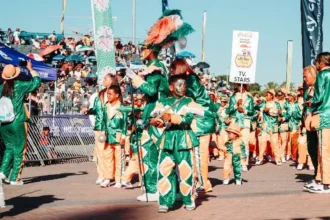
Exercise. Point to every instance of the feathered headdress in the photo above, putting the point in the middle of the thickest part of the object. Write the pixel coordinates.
(168, 29)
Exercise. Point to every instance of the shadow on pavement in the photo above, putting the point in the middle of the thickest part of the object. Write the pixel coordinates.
(52, 177)
(215, 182)
(23, 204)
(138, 212)
(302, 177)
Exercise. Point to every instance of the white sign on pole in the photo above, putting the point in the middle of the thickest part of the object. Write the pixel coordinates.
(244, 57)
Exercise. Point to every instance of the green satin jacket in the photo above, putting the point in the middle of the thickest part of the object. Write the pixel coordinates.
(295, 115)
(98, 110)
(222, 117)
(236, 147)
(195, 90)
(114, 123)
(268, 122)
(21, 88)
(321, 98)
(155, 88)
(139, 130)
(284, 126)
(178, 136)
(243, 119)
(215, 108)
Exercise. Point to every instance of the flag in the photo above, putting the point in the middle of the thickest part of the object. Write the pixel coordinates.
(169, 52)
(164, 5)
(103, 38)
(311, 30)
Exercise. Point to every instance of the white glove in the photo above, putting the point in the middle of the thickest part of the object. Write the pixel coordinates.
(151, 69)
(130, 73)
(196, 112)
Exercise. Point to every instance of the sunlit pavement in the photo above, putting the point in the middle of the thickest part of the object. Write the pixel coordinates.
(68, 191)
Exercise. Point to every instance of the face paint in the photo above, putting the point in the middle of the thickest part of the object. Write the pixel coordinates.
(180, 87)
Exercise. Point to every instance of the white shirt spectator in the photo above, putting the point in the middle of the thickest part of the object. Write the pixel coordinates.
(77, 74)
(16, 37)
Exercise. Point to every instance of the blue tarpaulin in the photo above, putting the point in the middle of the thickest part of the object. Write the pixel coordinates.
(11, 56)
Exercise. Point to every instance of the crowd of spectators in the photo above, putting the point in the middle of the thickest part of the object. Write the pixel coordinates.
(77, 80)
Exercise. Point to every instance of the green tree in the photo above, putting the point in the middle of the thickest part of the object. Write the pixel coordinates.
(255, 87)
(292, 86)
(271, 85)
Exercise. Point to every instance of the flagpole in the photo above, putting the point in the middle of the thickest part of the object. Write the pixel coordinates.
(289, 64)
(133, 21)
(203, 37)
(93, 20)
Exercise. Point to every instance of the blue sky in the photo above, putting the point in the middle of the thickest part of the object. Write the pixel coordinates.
(277, 21)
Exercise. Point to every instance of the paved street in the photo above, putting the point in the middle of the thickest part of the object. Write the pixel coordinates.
(68, 191)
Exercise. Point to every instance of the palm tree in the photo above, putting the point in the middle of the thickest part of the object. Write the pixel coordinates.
(271, 85)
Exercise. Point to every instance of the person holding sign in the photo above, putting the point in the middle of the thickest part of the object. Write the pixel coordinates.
(268, 119)
(241, 111)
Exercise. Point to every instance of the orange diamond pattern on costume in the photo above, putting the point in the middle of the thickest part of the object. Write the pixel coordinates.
(164, 186)
(185, 170)
(185, 189)
(166, 167)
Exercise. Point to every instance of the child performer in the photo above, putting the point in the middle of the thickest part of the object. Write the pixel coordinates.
(176, 145)
(234, 153)
(114, 126)
(224, 120)
(133, 166)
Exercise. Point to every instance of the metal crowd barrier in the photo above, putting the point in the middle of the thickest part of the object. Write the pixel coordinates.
(71, 138)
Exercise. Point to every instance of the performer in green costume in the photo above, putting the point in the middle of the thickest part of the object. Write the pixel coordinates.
(321, 121)
(241, 110)
(154, 84)
(234, 153)
(14, 134)
(269, 119)
(176, 145)
(203, 127)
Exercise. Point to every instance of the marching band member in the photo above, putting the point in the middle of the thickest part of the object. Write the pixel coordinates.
(320, 121)
(283, 129)
(224, 121)
(294, 111)
(268, 119)
(241, 110)
(154, 84)
(104, 168)
(114, 127)
(176, 145)
(214, 137)
(234, 152)
(204, 126)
